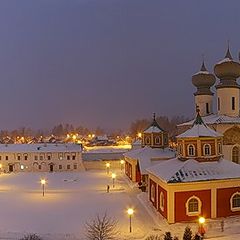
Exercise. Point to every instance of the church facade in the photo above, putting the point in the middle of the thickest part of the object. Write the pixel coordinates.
(226, 119)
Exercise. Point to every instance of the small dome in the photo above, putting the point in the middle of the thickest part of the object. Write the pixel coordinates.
(227, 69)
(203, 80)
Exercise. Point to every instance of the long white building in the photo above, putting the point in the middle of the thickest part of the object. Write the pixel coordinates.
(40, 157)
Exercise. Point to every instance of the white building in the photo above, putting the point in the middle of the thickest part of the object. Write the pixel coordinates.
(226, 119)
(40, 157)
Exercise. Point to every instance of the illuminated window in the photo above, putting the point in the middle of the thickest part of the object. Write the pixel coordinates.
(235, 154)
(191, 150)
(235, 202)
(193, 206)
(153, 193)
(207, 149)
(161, 201)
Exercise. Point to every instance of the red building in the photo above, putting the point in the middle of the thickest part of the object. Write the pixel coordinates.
(199, 182)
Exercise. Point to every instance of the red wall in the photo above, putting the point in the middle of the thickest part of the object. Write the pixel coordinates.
(223, 201)
(160, 189)
(128, 169)
(150, 188)
(180, 204)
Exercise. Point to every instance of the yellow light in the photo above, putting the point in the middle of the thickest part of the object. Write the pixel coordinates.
(43, 181)
(93, 135)
(68, 136)
(139, 135)
(108, 165)
(0, 165)
(89, 135)
(74, 137)
(122, 162)
(114, 175)
(130, 211)
(201, 220)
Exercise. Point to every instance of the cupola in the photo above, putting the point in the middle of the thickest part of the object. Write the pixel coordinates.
(154, 136)
(200, 142)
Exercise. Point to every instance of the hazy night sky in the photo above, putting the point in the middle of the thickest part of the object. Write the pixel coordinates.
(107, 63)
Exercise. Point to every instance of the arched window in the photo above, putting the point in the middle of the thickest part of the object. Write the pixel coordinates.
(161, 201)
(191, 150)
(207, 149)
(235, 154)
(157, 140)
(193, 206)
(153, 193)
(180, 151)
(147, 140)
(235, 202)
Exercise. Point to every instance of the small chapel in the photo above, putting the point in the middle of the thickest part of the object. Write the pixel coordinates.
(199, 181)
(154, 149)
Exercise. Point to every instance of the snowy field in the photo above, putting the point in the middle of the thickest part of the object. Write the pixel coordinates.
(71, 199)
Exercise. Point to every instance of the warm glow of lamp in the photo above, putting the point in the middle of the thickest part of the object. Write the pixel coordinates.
(139, 135)
(201, 220)
(108, 165)
(130, 211)
(43, 181)
(122, 162)
(74, 137)
(114, 175)
(0, 165)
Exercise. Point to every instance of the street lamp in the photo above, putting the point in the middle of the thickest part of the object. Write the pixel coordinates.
(130, 212)
(107, 167)
(113, 178)
(201, 229)
(0, 168)
(122, 163)
(43, 182)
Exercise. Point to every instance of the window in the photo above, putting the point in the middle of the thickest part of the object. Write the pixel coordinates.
(75, 166)
(193, 206)
(68, 157)
(219, 148)
(49, 157)
(161, 202)
(147, 140)
(218, 104)
(165, 140)
(207, 108)
(41, 157)
(235, 202)
(60, 167)
(207, 149)
(6, 157)
(18, 157)
(68, 166)
(0, 157)
(74, 157)
(35, 157)
(39, 167)
(60, 156)
(233, 103)
(191, 150)
(25, 157)
(153, 193)
(157, 140)
(235, 154)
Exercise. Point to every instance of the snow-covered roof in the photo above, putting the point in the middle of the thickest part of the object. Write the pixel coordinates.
(153, 129)
(201, 72)
(227, 59)
(137, 142)
(215, 119)
(39, 147)
(148, 156)
(199, 130)
(174, 170)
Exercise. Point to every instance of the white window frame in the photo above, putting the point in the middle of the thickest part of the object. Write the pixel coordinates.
(194, 150)
(196, 213)
(204, 149)
(148, 140)
(161, 201)
(234, 209)
(157, 140)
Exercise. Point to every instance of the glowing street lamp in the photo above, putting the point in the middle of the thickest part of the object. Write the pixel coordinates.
(139, 135)
(130, 212)
(201, 229)
(113, 178)
(122, 163)
(43, 182)
(107, 167)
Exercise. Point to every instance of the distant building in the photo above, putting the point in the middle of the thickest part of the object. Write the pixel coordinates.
(199, 182)
(40, 157)
(154, 148)
(226, 120)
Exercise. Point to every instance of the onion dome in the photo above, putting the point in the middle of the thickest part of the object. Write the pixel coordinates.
(203, 80)
(227, 70)
(154, 127)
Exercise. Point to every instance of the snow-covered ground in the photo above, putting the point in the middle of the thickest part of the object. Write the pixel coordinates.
(71, 199)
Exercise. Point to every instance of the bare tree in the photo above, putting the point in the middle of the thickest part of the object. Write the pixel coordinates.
(101, 228)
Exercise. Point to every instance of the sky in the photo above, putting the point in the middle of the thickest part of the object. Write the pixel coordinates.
(107, 62)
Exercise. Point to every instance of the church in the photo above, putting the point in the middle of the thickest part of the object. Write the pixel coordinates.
(199, 181)
(226, 119)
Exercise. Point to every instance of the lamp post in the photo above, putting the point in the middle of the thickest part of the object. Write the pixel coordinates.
(107, 167)
(43, 182)
(113, 178)
(201, 229)
(122, 163)
(130, 213)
